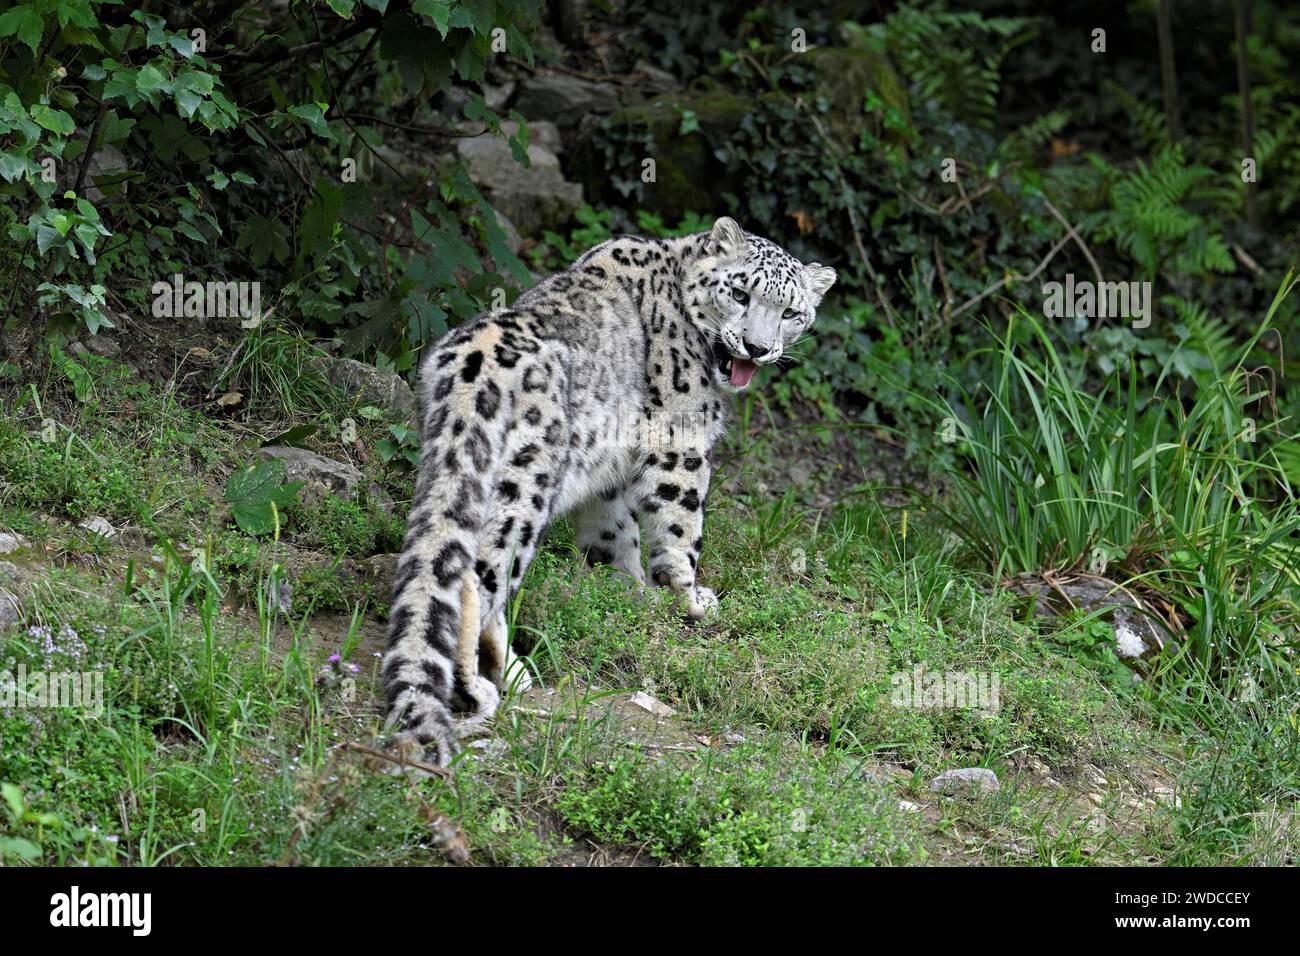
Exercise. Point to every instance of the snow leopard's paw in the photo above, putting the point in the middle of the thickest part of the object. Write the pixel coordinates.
(702, 601)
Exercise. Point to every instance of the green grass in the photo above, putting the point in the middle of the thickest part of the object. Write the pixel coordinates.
(1180, 497)
(271, 366)
(226, 719)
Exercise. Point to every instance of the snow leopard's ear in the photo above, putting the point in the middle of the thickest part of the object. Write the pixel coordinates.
(728, 238)
(820, 278)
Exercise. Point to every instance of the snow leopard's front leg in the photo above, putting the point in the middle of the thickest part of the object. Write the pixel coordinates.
(668, 496)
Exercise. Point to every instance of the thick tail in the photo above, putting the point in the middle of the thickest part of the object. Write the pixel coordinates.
(432, 665)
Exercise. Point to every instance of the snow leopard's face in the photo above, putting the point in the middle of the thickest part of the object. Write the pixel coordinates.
(753, 298)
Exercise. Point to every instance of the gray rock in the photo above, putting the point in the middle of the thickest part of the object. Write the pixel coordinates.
(102, 345)
(320, 474)
(367, 384)
(496, 97)
(98, 525)
(971, 781)
(396, 166)
(9, 613)
(454, 101)
(564, 99)
(11, 542)
(653, 79)
(382, 568)
(107, 163)
(534, 198)
(1136, 632)
(281, 596)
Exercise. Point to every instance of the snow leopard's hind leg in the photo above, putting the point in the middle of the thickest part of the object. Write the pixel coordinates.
(431, 667)
(607, 533)
(522, 499)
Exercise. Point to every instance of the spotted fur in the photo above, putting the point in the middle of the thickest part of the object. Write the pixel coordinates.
(599, 392)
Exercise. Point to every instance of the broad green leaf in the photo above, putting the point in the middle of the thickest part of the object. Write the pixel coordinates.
(149, 79)
(12, 166)
(17, 846)
(439, 11)
(56, 121)
(13, 797)
(24, 23)
(314, 114)
(253, 491)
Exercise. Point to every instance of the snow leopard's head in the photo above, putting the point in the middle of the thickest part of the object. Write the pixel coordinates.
(752, 298)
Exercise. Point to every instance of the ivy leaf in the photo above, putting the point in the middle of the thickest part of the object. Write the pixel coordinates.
(253, 492)
(12, 166)
(439, 11)
(519, 141)
(296, 436)
(83, 386)
(314, 115)
(56, 121)
(46, 236)
(24, 23)
(476, 110)
(265, 239)
(483, 13)
(187, 101)
(149, 79)
(122, 83)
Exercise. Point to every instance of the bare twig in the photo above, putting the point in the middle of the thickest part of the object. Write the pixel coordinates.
(265, 134)
(124, 53)
(853, 219)
(399, 759)
(1008, 279)
(943, 280)
(451, 132)
(1074, 231)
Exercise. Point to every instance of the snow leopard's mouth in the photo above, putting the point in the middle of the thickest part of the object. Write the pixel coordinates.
(738, 371)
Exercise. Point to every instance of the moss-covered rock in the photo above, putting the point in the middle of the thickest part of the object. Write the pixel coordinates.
(844, 77)
(688, 176)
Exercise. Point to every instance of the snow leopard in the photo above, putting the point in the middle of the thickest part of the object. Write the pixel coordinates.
(599, 393)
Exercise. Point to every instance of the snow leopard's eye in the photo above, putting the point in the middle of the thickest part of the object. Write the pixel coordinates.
(789, 313)
(739, 294)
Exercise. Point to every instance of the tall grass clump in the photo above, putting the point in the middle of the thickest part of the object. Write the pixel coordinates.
(1181, 496)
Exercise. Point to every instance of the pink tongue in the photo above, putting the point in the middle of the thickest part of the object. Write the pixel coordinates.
(742, 370)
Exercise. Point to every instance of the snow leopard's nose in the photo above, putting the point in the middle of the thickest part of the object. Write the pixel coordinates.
(755, 351)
